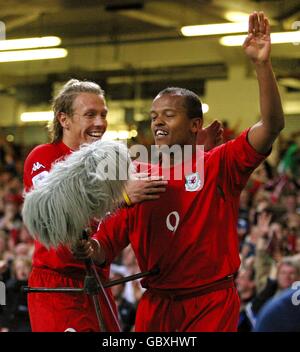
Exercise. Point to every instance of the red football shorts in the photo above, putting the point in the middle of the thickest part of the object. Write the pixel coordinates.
(58, 312)
(217, 311)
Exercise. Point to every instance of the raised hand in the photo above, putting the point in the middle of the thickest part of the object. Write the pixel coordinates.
(211, 136)
(257, 45)
(263, 223)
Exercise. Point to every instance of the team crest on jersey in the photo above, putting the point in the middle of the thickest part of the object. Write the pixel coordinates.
(192, 182)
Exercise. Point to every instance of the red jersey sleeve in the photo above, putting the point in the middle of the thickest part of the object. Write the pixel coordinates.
(36, 167)
(238, 159)
(113, 234)
(39, 162)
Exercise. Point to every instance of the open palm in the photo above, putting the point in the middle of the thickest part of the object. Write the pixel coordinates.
(257, 45)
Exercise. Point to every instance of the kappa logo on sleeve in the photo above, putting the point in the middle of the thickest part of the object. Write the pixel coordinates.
(37, 166)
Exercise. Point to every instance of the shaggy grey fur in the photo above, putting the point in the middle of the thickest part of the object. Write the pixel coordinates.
(75, 191)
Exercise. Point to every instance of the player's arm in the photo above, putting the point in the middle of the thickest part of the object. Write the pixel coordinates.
(257, 47)
(108, 241)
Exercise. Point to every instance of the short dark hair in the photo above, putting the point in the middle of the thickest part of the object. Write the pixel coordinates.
(192, 102)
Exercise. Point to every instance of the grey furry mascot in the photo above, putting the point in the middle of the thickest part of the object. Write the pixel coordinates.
(86, 184)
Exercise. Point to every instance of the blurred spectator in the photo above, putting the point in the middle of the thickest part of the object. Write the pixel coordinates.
(272, 246)
(3, 244)
(11, 219)
(15, 316)
(130, 262)
(292, 217)
(297, 245)
(248, 247)
(281, 314)
(259, 177)
(5, 257)
(245, 284)
(243, 219)
(24, 236)
(281, 277)
(289, 163)
(126, 309)
(229, 133)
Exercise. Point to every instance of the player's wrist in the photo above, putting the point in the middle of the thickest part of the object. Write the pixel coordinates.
(98, 254)
(126, 198)
(262, 64)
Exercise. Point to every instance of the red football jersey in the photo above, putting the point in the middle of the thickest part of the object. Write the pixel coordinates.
(36, 167)
(190, 232)
(63, 310)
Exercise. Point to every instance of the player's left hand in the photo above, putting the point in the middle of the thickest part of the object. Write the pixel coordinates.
(257, 45)
(144, 187)
(83, 249)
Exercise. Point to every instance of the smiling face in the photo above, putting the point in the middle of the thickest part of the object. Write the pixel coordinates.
(170, 123)
(87, 122)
